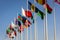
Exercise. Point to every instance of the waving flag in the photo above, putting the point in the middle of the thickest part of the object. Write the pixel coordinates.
(21, 28)
(26, 22)
(11, 28)
(28, 14)
(13, 25)
(17, 22)
(8, 31)
(11, 33)
(58, 1)
(19, 17)
(48, 8)
(35, 9)
(41, 1)
(23, 19)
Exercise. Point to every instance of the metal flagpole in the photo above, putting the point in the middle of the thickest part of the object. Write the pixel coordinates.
(35, 28)
(21, 36)
(30, 33)
(16, 30)
(46, 25)
(54, 25)
(54, 20)
(14, 23)
(27, 22)
(44, 28)
(10, 38)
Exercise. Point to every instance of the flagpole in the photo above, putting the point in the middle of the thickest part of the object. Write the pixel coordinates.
(46, 25)
(54, 25)
(54, 21)
(14, 22)
(21, 36)
(16, 30)
(35, 29)
(10, 38)
(27, 22)
(44, 28)
(30, 33)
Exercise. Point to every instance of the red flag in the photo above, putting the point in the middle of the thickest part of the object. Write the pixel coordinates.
(49, 9)
(28, 14)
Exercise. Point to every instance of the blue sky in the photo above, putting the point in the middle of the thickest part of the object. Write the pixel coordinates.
(9, 10)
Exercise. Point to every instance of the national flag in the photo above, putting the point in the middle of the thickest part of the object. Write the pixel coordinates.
(25, 21)
(28, 14)
(17, 22)
(31, 6)
(13, 25)
(35, 9)
(48, 8)
(19, 17)
(8, 31)
(23, 18)
(58, 1)
(21, 28)
(40, 1)
(11, 28)
(12, 34)
(27, 24)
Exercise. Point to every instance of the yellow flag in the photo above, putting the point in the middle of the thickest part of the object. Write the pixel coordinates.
(40, 1)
